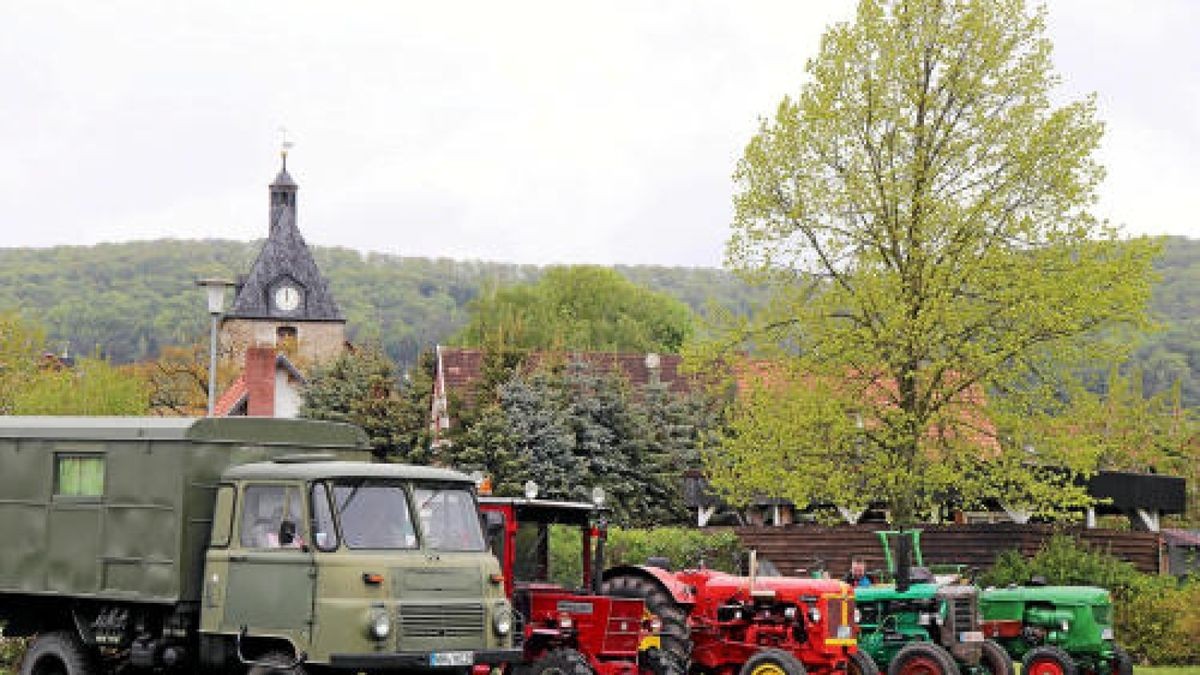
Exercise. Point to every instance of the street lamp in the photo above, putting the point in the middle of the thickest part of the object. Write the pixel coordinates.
(215, 288)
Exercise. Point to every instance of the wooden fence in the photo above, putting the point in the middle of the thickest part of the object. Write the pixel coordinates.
(802, 547)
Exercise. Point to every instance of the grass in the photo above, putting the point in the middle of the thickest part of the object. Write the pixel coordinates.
(1166, 670)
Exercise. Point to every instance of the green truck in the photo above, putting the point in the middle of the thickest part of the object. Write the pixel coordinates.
(235, 543)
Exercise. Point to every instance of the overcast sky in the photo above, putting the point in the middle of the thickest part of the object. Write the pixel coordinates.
(538, 132)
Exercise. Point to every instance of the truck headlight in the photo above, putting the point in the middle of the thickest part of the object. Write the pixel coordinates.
(380, 626)
(502, 621)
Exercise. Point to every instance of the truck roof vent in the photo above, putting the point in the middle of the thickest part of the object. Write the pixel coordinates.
(304, 458)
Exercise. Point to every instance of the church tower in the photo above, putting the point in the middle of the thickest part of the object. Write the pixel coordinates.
(284, 302)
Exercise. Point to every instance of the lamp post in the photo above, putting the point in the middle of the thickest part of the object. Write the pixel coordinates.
(215, 290)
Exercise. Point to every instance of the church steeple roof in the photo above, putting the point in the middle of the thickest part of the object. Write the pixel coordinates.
(285, 261)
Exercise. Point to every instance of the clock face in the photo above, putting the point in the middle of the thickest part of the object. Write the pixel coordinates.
(287, 298)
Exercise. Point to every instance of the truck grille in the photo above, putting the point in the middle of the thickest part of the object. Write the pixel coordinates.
(441, 621)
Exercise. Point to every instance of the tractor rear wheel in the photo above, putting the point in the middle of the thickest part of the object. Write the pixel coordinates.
(995, 660)
(1047, 660)
(861, 663)
(676, 644)
(562, 661)
(922, 658)
(773, 662)
(1122, 663)
(58, 653)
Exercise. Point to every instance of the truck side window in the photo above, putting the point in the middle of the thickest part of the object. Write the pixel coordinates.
(264, 510)
(324, 532)
(79, 475)
(222, 517)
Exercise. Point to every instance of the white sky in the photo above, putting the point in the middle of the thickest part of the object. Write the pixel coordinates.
(539, 132)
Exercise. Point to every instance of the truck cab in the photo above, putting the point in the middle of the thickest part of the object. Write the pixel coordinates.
(352, 565)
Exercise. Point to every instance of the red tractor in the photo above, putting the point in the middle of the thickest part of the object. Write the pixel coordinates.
(568, 631)
(755, 625)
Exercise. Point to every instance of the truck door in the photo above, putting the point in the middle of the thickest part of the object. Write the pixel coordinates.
(271, 571)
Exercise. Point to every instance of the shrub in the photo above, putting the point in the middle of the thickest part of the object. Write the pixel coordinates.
(1065, 561)
(684, 547)
(11, 650)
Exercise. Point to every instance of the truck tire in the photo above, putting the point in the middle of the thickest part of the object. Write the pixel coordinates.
(773, 662)
(275, 663)
(1122, 663)
(995, 660)
(58, 653)
(861, 663)
(562, 661)
(1047, 660)
(922, 658)
(676, 644)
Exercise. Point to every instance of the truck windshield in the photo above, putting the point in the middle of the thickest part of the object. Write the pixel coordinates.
(449, 519)
(374, 515)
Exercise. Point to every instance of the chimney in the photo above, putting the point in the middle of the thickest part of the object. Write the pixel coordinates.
(260, 382)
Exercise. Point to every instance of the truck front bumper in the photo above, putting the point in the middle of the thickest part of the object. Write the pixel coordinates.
(417, 660)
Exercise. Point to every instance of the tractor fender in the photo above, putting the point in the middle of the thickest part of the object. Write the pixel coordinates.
(680, 592)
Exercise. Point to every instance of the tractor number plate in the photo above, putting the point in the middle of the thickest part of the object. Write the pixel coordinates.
(845, 632)
(1106, 633)
(451, 659)
(971, 636)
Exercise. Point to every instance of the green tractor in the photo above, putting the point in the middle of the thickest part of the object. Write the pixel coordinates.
(1055, 630)
(920, 626)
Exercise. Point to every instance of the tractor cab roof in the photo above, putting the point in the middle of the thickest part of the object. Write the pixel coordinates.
(545, 510)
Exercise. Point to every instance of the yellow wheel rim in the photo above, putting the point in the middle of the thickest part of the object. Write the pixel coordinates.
(768, 669)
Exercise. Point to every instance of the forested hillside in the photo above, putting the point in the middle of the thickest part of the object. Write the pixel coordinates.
(128, 300)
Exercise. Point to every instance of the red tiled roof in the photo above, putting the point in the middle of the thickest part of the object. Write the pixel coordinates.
(234, 395)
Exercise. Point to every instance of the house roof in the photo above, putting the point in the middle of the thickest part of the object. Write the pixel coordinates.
(236, 395)
(460, 367)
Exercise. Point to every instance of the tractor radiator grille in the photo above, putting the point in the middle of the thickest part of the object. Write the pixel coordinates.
(442, 621)
(962, 611)
(839, 612)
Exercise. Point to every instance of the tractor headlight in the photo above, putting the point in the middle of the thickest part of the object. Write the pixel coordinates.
(1066, 625)
(379, 626)
(502, 621)
(789, 612)
(857, 616)
(814, 615)
(565, 622)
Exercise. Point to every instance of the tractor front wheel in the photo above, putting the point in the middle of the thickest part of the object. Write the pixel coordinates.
(562, 661)
(861, 663)
(1047, 660)
(995, 660)
(773, 662)
(676, 645)
(922, 658)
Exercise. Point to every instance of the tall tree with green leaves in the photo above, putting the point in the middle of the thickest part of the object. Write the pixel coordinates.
(580, 307)
(923, 210)
(20, 344)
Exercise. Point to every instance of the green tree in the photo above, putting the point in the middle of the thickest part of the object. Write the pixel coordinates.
(582, 307)
(922, 211)
(20, 345)
(361, 387)
(92, 386)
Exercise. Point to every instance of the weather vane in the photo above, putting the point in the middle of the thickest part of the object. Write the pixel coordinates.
(284, 145)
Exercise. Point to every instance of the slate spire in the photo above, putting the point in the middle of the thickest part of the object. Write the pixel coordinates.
(285, 262)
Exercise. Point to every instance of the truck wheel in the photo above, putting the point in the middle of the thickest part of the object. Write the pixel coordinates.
(562, 661)
(1122, 663)
(861, 663)
(275, 663)
(773, 662)
(675, 642)
(922, 658)
(997, 661)
(57, 653)
(1047, 660)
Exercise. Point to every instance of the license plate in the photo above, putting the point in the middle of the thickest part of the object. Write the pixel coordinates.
(451, 659)
(845, 632)
(1106, 634)
(971, 636)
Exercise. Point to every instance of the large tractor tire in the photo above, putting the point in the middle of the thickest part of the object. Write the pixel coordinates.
(562, 661)
(58, 653)
(861, 663)
(676, 644)
(922, 658)
(995, 660)
(773, 662)
(1047, 660)
(1122, 663)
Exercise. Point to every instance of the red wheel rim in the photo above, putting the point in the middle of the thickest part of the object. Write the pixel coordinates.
(922, 665)
(1045, 667)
